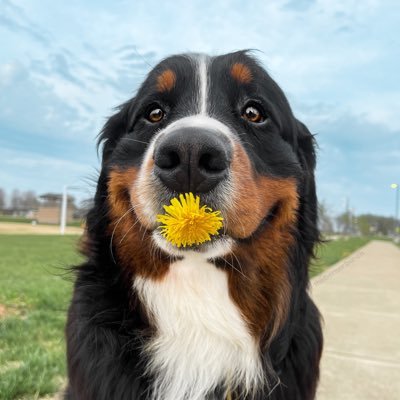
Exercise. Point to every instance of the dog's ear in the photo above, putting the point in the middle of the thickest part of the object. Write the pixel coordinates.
(308, 197)
(306, 147)
(115, 127)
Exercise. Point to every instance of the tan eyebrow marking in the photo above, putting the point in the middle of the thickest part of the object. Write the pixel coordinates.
(241, 73)
(166, 80)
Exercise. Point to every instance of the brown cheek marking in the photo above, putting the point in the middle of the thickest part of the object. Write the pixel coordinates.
(132, 242)
(166, 81)
(263, 290)
(246, 212)
(241, 73)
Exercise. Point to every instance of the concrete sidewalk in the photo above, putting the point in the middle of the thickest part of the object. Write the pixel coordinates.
(359, 299)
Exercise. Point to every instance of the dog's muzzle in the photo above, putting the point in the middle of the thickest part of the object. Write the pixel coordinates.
(192, 159)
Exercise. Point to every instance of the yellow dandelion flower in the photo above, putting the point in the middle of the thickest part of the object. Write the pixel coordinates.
(185, 223)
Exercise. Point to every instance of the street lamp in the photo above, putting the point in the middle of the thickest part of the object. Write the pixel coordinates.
(395, 186)
(64, 204)
(64, 201)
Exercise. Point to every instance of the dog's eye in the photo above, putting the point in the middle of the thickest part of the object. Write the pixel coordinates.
(253, 114)
(156, 114)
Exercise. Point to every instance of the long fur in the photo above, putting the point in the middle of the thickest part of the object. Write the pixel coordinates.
(195, 317)
(148, 322)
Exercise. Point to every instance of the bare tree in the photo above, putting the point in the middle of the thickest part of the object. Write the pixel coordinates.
(370, 224)
(29, 200)
(16, 199)
(325, 220)
(344, 222)
(2, 199)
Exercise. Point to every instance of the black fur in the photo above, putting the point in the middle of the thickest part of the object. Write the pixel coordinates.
(106, 326)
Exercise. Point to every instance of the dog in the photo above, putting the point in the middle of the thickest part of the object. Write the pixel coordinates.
(227, 319)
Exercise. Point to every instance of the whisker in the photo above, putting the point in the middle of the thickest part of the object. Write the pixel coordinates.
(237, 270)
(133, 225)
(238, 220)
(238, 261)
(153, 253)
(134, 140)
(156, 254)
(112, 235)
(275, 386)
(245, 141)
(144, 232)
(224, 227)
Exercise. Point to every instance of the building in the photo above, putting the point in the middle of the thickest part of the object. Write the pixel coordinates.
(49, 210)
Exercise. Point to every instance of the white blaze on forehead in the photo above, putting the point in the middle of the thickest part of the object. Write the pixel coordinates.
(198, 121)
(203, 84)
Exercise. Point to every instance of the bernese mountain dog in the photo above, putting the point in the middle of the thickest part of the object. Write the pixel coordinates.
(227, 319)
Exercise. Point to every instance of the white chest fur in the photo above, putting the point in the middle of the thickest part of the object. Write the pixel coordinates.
(202, 339)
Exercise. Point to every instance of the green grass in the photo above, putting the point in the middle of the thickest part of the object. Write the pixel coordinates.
(8, 218)
(333, 251)
(23, 220)
(35, 294)
(76, 223)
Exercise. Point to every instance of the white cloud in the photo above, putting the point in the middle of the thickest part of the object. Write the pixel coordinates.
(64, 68)
(8, 73)
(29, 171)
(379, 108)
(33, 161)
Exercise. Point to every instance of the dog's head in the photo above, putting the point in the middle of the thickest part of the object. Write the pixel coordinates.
(219, 127)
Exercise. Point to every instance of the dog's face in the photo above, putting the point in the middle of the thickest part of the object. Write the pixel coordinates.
(221, 128)
(218, 127)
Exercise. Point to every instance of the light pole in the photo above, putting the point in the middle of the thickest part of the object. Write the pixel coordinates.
(64, 201)
(64, 206)
(395, 186)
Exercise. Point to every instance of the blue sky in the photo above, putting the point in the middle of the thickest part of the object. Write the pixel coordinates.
(65, 65)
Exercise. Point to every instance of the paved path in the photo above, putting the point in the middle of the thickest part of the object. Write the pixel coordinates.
(359, 299)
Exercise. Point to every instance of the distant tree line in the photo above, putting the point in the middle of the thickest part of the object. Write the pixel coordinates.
(348, 223)
(21, 203)
(2, 198)
(19, 200)
(369, 224)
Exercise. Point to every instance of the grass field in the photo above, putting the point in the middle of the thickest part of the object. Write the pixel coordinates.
(23, 220)
(332, 251)
(34, 296)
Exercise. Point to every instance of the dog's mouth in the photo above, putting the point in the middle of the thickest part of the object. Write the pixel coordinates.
(219, 244)
(192, 237)
(216, 247)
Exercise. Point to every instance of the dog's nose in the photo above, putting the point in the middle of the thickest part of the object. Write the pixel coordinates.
(192, 159)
